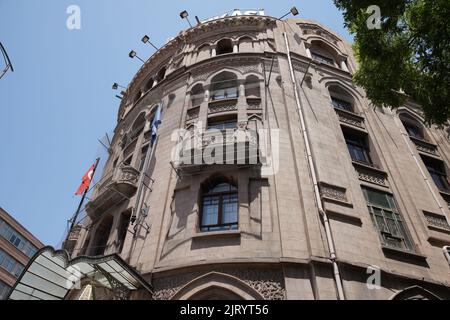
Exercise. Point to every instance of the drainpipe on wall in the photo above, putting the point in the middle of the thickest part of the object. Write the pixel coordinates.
(312, 170)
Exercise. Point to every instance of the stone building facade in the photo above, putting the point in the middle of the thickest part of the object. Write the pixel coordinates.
(344, 193)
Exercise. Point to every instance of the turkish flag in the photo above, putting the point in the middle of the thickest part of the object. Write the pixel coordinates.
(86, 181)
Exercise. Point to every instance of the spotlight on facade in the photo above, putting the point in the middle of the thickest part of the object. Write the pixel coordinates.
(146, 39)
(7, 61)
(294, 11)
(184, 15)
(116, 86)
(133, 55)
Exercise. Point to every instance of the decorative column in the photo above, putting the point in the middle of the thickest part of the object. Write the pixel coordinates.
(242, 103)
(344, 63)
(308, 51)
(235, 47)
(214, 51)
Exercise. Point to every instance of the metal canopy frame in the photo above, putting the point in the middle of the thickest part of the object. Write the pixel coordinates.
(51, 275)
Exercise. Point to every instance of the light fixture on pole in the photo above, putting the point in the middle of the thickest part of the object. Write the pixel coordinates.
(184, 15)
(116, 86)
(7, 61)
(133, 55)
(294, 11)
(146, 39)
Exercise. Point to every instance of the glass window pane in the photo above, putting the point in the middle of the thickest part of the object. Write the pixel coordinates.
(230, 209)
(210, 214)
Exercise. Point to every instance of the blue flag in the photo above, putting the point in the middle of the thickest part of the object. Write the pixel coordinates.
(156, 122)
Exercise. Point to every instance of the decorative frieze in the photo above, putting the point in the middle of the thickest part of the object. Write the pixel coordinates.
(333, 192)
(268, 283)
(424, 146)
(438, 221)
(254, 104)
(222, 106)
(370, 174)
(350, 118)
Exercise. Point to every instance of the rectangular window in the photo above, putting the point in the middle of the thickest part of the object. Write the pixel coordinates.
(387, 220)
(341, 104)
(4, 290)
(436, 169)
(16, 239)
(10, 264)
(357, 146)
(320, 58)
(222, 124)
(222, 94)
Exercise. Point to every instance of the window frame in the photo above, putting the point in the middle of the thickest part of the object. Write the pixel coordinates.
(402, 234)
(220, 226)
(359, 142)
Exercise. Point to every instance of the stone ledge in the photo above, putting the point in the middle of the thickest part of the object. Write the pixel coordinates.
(217, 234)
(404, 254)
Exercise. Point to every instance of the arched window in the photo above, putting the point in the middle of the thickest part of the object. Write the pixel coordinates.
(102, 235)
(149, 84)
(323, 53)
(224, 86)
(224, 46)
(252, 87)
(197, 95)
(204, 52)
(246, 44)
(219, 209)
(138, 127)
(412, 126)
(340, 99)
(137, 96)
(161, 75)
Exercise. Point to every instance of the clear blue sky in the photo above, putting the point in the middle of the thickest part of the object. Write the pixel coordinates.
(59, 101)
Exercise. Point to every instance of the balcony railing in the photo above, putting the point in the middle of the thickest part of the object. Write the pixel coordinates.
(119, 185)
(235, 147)
(424, 146)
(222, 106)
(350, 118)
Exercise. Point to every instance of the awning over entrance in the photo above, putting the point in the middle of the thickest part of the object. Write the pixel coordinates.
(50, 275)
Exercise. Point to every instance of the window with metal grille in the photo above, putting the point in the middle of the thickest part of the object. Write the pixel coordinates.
(320, 58)
(388, 221)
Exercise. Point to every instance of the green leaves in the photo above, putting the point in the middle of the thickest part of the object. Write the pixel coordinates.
(410, 53)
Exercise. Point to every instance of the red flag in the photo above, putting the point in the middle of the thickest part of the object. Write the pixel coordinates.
(86, 181)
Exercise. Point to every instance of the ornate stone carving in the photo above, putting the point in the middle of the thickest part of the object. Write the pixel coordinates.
(245, 65)
(350, 118)
(436, 220)
(424, 146)
(371, 174)
(333, 192)
(269, 283)
(225, 106)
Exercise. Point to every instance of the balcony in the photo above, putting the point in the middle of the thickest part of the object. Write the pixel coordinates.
(425, 146)
(115, 187)
(225, 105)
(232, 147)
(350, 118)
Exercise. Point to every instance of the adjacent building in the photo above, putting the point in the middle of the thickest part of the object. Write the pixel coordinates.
(17, 246)
(339, 195)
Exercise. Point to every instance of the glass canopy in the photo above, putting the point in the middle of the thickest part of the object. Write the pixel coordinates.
(50, 275)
